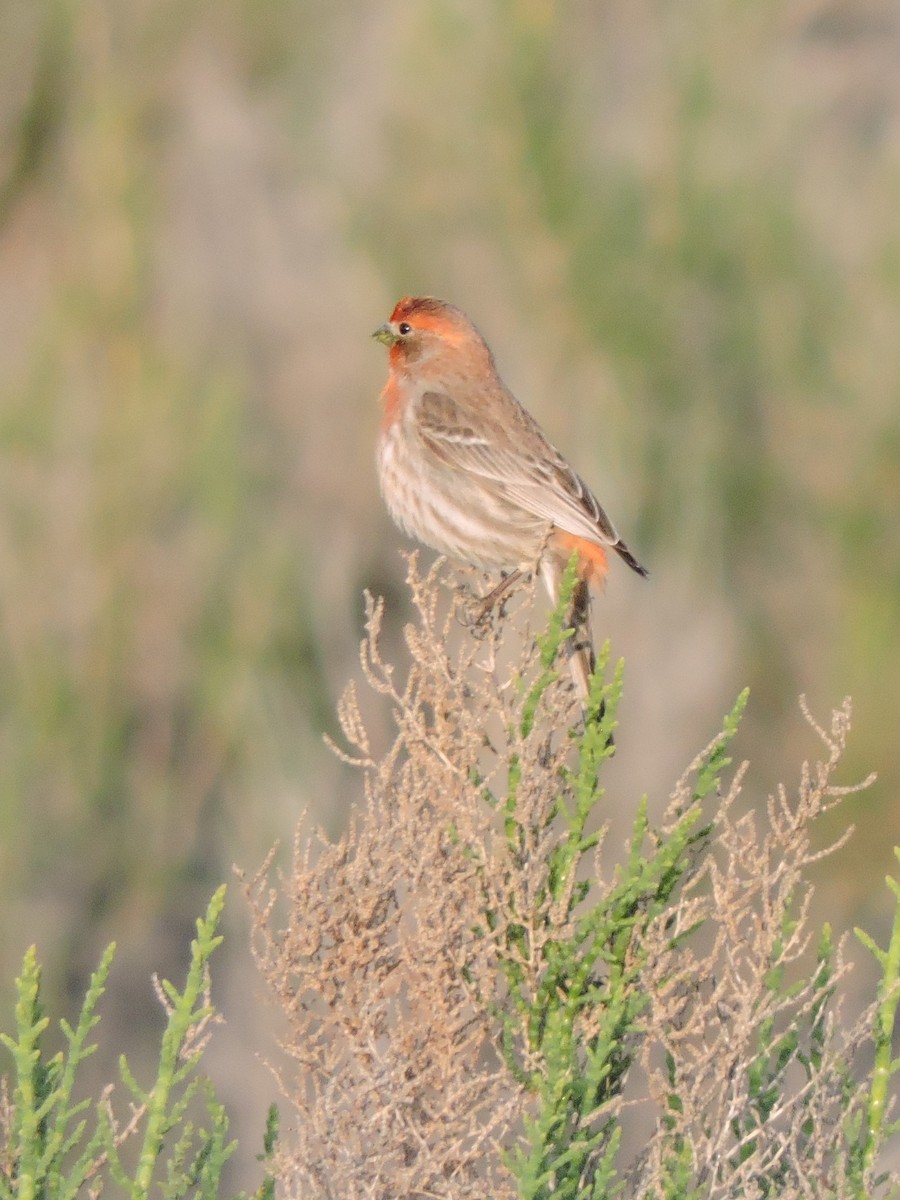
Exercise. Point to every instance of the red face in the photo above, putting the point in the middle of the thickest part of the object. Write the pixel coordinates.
(422, 326)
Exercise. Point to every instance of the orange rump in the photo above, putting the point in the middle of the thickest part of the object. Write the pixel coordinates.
(593, 563)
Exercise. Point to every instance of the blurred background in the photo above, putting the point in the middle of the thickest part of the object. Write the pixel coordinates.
(678, 225)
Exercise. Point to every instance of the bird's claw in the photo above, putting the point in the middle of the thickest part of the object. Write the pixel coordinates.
(483, 607)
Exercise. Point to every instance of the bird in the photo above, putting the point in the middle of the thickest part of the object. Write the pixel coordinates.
(466, 470)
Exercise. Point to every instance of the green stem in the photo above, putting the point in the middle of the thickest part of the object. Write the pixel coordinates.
(183, 1015)
(884, 1029)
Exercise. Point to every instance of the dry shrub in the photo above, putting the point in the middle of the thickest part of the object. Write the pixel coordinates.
(746, 1014)
(477, 1006)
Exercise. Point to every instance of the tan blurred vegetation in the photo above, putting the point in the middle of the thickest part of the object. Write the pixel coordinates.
(679, 227)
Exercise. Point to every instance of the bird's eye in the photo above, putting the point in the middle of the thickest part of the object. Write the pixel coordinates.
(404, 328)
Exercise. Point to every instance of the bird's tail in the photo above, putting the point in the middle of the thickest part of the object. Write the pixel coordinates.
(579, 648)
(622, 550)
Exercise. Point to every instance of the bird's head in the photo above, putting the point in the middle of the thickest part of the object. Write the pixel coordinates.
(423, 328)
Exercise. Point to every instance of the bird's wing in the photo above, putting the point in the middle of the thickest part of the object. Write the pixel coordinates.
(508, 449)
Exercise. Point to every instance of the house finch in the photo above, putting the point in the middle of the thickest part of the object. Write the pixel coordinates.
(466, 470)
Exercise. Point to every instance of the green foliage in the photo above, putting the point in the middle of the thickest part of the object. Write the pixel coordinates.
(580, 955)
(873, 1130)
(58, 1146)
(573, 1040)
(583, 1020)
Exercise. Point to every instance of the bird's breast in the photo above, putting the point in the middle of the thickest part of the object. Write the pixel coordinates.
(391, 403)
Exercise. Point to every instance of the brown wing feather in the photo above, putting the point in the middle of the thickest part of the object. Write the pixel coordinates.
(528, 469)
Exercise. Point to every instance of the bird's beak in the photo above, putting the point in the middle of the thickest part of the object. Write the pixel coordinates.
(385, 335)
